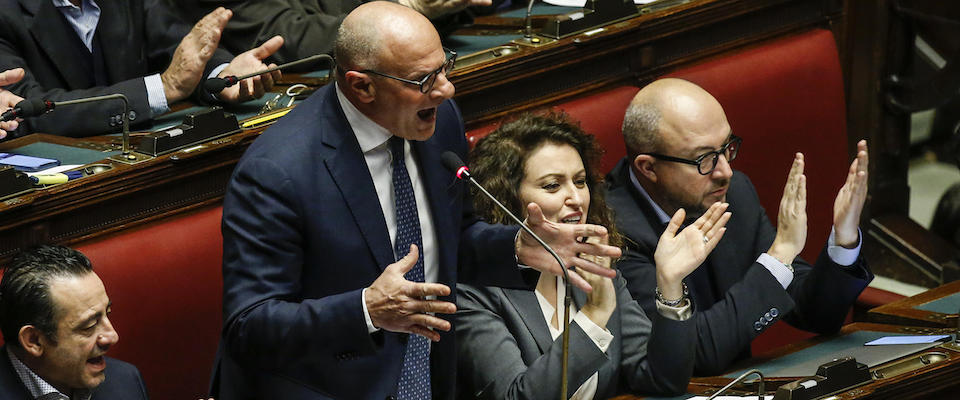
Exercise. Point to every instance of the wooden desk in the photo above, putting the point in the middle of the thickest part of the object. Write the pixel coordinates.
(911, 310)
(934, 381)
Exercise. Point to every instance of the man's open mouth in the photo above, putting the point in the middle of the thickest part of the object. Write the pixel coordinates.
(428, 114)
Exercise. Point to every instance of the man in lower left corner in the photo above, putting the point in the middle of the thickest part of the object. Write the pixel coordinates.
(54, 315)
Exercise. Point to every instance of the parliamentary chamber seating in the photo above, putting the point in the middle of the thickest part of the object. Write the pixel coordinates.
(783, 96)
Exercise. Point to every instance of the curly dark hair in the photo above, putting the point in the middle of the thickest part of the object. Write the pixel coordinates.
(498, 160)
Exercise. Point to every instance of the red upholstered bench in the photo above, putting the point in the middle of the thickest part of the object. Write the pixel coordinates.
(781, 97)
(166, 285)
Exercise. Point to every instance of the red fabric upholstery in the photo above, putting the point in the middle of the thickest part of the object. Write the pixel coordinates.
(165, 282)
(600, 114)
(782, 97)
(785, 97)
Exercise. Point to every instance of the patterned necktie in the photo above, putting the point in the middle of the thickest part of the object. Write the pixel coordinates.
(415, 375)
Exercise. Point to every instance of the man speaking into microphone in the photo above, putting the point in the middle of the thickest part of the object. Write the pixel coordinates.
(344, 235)
(74, 49)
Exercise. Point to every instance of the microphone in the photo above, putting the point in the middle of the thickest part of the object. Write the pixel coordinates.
(27, 108)
(742, 377)
(215, 85)
(453, 162)
(37, 107)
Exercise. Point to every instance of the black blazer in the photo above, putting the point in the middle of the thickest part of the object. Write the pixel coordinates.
(737, 297)
(303, 234)
(308, 27)
(506, 350)
(136, 37)
(123, 381)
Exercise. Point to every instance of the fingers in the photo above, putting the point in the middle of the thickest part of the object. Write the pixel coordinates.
(718, 226)
(11, 76)
(267, 48)
(421, 290)
(577, 280)
(674, 225)
(480, 3)
(710, 217)
(432, 306)
(534, 215)
(405, 264)
(591, 267)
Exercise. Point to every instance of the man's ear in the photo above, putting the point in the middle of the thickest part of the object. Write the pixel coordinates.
(361, 86)
(643, 166)
(32, 340)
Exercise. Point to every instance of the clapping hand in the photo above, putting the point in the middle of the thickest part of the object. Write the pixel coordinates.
(602, 301)
(792, 218)
(8, 99)
(849, 203)
(677, 255)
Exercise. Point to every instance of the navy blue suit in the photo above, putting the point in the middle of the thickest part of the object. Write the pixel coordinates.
(123, 381)
(304, 233)
(736, 298)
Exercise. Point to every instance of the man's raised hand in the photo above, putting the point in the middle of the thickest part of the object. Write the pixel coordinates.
(564, 239)
(849, 203)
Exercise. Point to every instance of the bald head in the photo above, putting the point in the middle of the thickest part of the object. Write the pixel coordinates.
(669, 111)
(378, 32)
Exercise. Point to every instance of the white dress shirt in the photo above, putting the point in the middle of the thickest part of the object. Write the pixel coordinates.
(599, 335)
(376, 152)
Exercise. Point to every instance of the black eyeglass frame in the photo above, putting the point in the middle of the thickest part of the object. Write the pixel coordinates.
(431, 77)
(699, 160)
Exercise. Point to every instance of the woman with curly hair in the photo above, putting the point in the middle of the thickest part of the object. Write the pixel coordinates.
(509, 343)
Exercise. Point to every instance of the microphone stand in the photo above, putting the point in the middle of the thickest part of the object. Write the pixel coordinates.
(215, 85)
(741, 378)
(568, 288)
(126, 156)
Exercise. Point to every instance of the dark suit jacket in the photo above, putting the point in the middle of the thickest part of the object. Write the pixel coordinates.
(303, 234)
(308, 27)
(137, 38)
(737, 298)
(123, 381)
(506, 351)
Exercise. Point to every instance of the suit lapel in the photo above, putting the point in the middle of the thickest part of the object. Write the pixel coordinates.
(350, 173)
(526, 304)
(49, 28)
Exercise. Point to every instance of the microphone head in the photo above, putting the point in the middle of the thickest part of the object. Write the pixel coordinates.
(214, 85)
(31, 107)
(453, 162)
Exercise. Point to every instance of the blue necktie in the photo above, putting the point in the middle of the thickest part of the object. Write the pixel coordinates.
(415, 375)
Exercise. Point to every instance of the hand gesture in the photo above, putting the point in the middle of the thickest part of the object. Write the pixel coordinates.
(249, 62)
(849, 202)
(437, 8)
(190, 58)
(792, 218)
(678, 255)
(398, 305)
(8, 99)
(602, 301)
(563, 238)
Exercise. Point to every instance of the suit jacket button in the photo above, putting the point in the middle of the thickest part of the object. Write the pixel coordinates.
(133, 115)
(391, 397)
(767, 317)
(757, 326)
(764, 322)
(774, 312)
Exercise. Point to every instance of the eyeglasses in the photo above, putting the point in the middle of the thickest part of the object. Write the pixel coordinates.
(707, 162)
(426, 83)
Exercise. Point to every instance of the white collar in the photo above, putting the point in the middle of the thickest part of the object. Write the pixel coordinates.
(370, 135)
